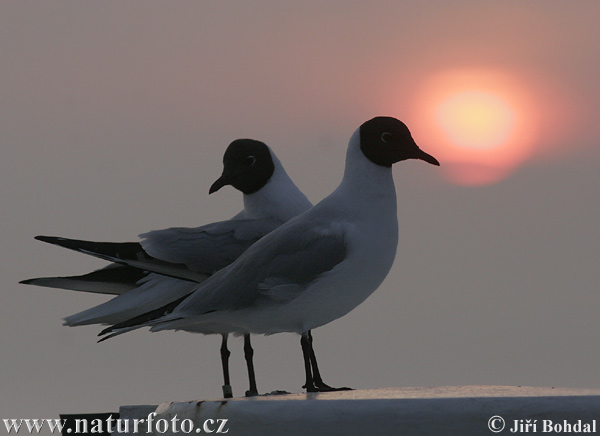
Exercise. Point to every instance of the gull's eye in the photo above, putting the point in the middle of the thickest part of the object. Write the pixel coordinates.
(386, 136)
(251, 160)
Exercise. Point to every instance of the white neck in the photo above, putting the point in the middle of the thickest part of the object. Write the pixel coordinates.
(279, 199)
(366, 181)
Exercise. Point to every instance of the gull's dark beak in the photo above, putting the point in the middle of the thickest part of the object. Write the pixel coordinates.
(219, 183)
(420, 154)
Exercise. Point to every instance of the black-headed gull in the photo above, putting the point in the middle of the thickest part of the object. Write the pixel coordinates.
(270, 199)
(316, 267)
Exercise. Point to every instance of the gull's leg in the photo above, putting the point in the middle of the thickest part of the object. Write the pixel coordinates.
(306, 347)
(248, 354)
(316, 375)
(317, 380)
(225, 353)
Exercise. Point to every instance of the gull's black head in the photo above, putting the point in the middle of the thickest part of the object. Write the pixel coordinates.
(247, 166)
(386, 140)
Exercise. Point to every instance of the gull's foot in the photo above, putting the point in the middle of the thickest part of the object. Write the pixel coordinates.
(322, 387)
(251, 393)
(338, 389)
(326, 388)
(277, 392)
(227, 391)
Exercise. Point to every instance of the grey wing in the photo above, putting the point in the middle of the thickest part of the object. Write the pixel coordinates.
(208, 248)
(276, 269)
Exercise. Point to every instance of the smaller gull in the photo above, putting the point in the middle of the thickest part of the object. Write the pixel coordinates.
(167, 264)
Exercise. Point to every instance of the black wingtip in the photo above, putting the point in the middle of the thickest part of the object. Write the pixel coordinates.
(106, 337)
(26, 282)
(106, 331)
(49, 239)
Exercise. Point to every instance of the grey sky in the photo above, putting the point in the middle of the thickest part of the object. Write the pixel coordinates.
(114, 118)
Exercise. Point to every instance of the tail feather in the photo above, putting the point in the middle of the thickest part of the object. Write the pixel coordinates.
(127, 253)
(152, 292)
(119, 250)
(113, 280)
(144, 320)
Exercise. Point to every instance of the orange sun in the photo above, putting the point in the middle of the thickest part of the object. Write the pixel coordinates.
(478, 123)
(476, 119)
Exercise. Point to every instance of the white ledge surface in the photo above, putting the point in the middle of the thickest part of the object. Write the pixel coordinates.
(447, 410)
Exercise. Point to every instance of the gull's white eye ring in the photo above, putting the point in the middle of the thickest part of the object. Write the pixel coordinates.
(385, 136)
(251, 160)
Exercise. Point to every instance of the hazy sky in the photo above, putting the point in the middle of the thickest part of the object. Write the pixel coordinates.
(114, 118)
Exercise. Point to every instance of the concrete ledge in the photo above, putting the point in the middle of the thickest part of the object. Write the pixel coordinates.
(461, 410)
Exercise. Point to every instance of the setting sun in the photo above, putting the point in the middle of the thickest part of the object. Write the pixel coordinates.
(476, 119)
(481, 123)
